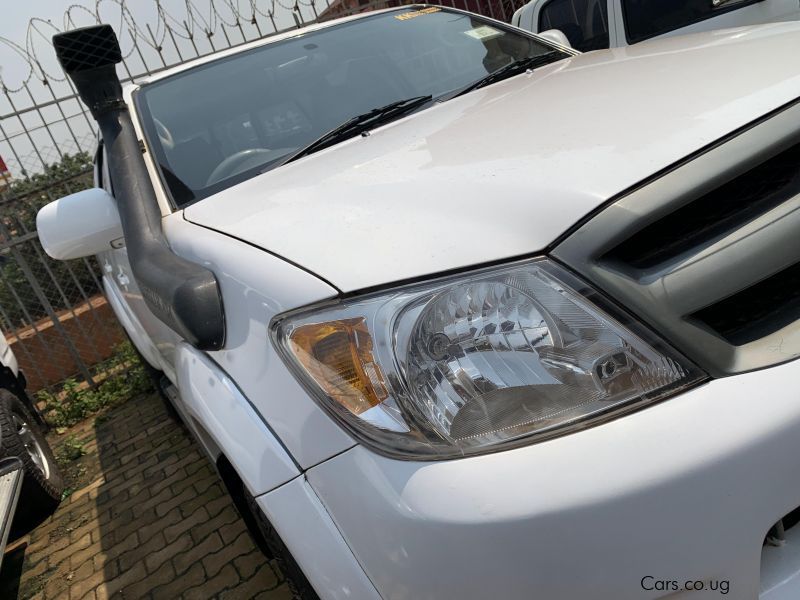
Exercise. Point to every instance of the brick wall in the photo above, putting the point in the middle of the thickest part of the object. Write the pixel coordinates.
(43, 353)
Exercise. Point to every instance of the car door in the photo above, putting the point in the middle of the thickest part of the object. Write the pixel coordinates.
(118, 275)
(647, 19)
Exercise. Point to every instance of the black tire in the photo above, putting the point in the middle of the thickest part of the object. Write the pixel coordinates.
(295, 578)
(21, 436)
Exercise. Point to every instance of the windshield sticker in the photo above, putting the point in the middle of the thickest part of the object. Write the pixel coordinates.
(417, 13)
(484, 32)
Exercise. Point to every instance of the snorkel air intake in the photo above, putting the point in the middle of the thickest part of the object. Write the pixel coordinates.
(182, 294)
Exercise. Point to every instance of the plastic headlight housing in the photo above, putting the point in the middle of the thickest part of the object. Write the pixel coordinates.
(477, 362)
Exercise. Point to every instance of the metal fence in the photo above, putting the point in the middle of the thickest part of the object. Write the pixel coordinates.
(53, 313)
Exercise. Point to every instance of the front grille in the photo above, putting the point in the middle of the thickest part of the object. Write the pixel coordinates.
(707, 252)
(756, 312)
(726, 208)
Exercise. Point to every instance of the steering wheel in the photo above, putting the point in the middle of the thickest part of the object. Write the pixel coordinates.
(164, 135)
(235, 163)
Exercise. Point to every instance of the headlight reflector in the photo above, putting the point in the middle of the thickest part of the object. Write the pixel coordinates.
(473, 363)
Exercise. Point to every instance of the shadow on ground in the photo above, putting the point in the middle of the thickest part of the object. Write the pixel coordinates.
(150, 520)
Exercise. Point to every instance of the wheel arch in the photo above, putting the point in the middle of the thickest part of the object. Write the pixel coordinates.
(227, 424)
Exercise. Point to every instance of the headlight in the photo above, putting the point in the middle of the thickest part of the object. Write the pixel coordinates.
(476, 362)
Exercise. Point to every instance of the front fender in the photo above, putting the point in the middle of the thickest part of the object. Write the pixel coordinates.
(211, 398)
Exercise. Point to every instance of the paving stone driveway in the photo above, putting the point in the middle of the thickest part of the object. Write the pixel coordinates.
(155, 523)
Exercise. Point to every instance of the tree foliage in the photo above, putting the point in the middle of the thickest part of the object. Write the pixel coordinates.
(61, 283)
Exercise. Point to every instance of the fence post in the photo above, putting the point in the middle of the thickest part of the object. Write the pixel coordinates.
(156, 45)
(40, 295)
(174, 43)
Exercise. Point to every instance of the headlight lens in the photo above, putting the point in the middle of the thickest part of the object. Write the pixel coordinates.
(477, 362)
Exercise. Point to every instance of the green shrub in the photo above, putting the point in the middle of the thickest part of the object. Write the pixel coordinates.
(71, 449)
(125, 378)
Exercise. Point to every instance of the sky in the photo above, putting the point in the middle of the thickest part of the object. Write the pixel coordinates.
(15, 16)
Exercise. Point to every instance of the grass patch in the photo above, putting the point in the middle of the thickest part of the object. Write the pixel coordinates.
(121, 378)
(71, 449)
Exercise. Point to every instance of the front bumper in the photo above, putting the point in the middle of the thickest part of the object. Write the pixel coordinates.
(685, 490)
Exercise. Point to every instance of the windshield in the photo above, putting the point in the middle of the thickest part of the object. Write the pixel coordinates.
(223, 122)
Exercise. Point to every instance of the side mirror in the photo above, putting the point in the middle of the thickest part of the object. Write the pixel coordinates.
(79, 225)
(556, 36)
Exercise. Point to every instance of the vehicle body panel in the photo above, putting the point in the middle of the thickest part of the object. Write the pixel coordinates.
(132, 326)
(248, 358)
(7, 358)
(529, 17)
(214, 402)
(255, 287)
(442, 190)
(314, 541)
(119, 276)
(685, 490)
(753, 13)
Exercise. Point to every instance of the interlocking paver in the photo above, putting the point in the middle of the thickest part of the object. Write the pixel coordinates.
(142, 588)
(178, 524)
(248, 564)
(155, 559)
(214, 563)
(263, 579)
(211, 588)
(192, 578)
(155, 523)
(212, 543)
(217, 523)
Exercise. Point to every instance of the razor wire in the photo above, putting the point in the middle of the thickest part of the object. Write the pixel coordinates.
(54, 313)
(41, 119)
(195, 18)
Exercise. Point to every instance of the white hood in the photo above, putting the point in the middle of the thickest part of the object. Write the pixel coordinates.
(505, 170)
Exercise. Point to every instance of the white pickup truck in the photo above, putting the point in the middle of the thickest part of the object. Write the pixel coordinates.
(596, 24)
(441, 345)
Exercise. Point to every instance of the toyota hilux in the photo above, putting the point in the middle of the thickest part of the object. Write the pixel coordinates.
(458, 312)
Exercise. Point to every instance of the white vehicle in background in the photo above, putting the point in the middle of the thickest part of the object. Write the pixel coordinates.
(443, 346)
(597, 24)
(28, 469)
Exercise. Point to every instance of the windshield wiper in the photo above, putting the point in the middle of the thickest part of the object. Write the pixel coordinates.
(513, 68)
(357, 125)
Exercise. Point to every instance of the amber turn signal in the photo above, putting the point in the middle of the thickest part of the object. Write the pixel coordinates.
(338, 355)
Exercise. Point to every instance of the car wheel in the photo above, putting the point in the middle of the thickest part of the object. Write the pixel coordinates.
(298, 584)
(42, 485)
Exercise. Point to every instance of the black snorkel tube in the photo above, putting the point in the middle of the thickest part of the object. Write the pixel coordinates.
(182, 294)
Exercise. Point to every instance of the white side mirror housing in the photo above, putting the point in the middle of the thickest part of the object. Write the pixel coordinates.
(79, 225)
(556, 36)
